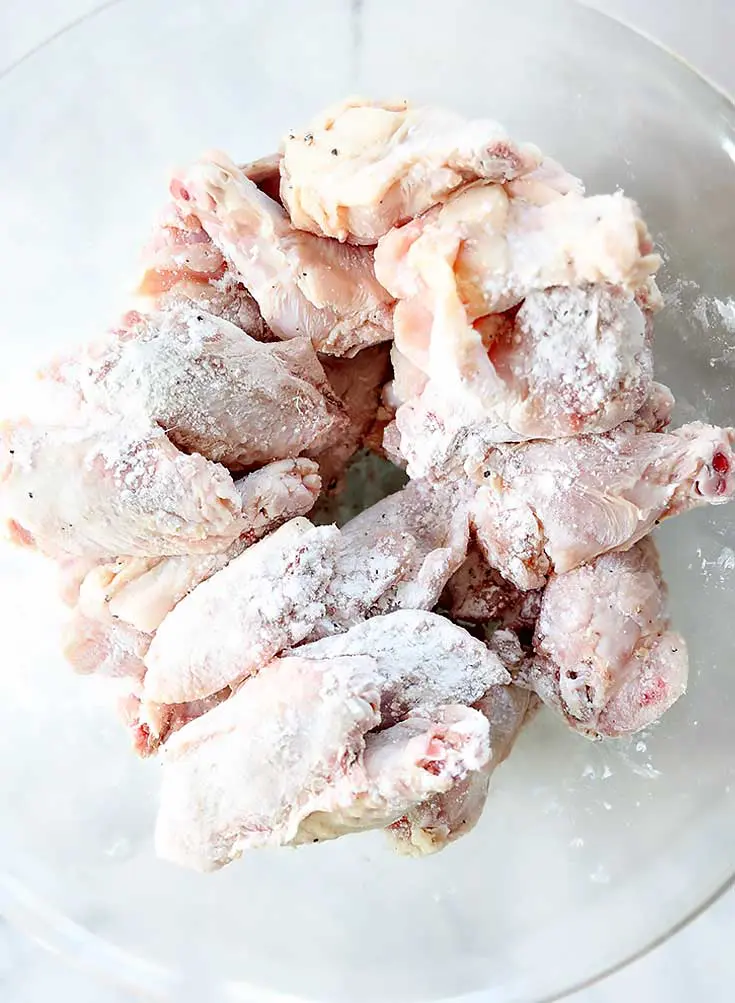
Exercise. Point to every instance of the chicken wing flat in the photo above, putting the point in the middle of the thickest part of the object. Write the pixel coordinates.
(141, 591)
(212, 388)
(112, 485)
(267, 599)
(421, 659)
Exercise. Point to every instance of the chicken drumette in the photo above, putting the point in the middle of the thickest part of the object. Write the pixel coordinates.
(286, 759)
(604, 654)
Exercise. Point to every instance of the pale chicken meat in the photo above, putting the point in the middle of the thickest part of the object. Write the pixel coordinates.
(305, 286)
(212, 388)
(267, 599)
(605, 656)
(363, 167)
(398, 554)
(446, 816)
(104, 646)
(422, 659)
(417, 761)
(150, 725)
(483, 253)
(248, 772)
(436, 436)
(290, 745)
(111, 485)
(182, 265)
(551, 506)
(141, 591)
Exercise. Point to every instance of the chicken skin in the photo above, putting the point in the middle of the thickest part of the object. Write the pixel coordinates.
(248, 772)
(290, 745)
(436, 437)
(110, 486)
(141, 591)
(605, 656)
(398, 554)
(446, 816)
(267, 599)
(423, 660)
(363, 167)
(415, 762)
(181, 265)
(212, 388)
(483, 253)
(551, 506)
(305, 286)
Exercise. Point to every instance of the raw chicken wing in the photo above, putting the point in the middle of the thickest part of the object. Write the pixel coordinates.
(213, 389)
(304, 285)
(363, 167)
(605, 657)
(141, 591)
(110, 486)
(247, 773)
(412, 763)
(398, 554)
(267, 599)
(555, 505)
(422, 660)
(446, 816)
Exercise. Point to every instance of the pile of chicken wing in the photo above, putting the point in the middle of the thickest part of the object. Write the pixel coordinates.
(401, 280)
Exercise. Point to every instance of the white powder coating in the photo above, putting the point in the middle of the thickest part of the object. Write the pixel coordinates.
(142, 591)
(214, 389)
(112, 485)
(398, 554)
(403, 767)
(247, 772)
(422, 659)
(265, 600)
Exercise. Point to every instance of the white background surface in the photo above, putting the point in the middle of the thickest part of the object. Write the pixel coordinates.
(698, 963)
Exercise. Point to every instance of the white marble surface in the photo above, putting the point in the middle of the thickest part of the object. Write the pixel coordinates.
(698, 963)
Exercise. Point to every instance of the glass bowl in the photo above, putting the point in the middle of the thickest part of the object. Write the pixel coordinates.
(587, 853)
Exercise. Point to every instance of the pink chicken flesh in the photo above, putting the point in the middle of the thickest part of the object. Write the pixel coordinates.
(483, 253)
(605, 657)
(305, 286)
(363, 167)
(448, 815)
